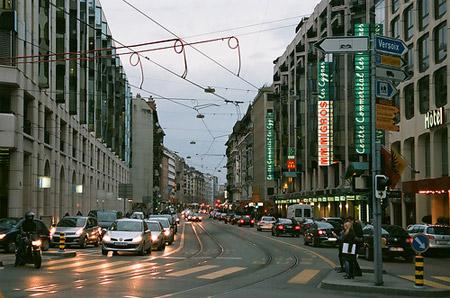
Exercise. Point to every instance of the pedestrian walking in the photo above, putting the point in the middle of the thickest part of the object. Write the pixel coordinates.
(349, 250)
(359, 239)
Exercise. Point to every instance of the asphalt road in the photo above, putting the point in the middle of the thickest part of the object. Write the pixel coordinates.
(208, 259)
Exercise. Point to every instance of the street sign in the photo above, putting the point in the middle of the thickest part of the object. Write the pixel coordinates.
(343, 44)
(387, 125)
(387, 109)
(392, 74)
(385, 89)
(391, 61)
(391, 46)
(420, 243)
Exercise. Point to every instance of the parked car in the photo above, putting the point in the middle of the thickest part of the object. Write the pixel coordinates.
(10, 227)
(169, 235)
(169, 217)
(439, 235)
(78, 230)
(395, 242)
(320, 233)
(128, 235)
(157, 234)
(283, 226)
(246, 220)
(265, 223)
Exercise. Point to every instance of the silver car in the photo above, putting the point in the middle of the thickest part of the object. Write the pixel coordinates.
(157, 230)
(128, 235)
(78, 230)
(265, 223)
(169, 235)
(439, 235)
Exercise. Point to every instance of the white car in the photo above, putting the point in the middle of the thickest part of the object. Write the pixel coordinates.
(265, 223)
(157, 230)
(131, 235)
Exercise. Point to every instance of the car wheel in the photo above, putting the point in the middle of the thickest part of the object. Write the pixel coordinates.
(11, 247)
(45, 245)
(83, 243)
(368, 253)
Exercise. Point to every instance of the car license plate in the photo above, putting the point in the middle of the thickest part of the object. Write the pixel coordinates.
(442, 242)
(332, 239)
(288, 227)
(396, 248)
(120, 243)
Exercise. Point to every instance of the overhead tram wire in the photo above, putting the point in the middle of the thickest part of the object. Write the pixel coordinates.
(197, 50)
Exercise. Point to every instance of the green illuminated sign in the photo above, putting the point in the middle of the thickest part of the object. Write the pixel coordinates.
(270, 146)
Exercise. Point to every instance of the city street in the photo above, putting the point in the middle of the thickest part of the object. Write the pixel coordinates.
(207, 259)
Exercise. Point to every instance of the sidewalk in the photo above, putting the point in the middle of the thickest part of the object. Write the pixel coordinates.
(393, 285)
(8, 259)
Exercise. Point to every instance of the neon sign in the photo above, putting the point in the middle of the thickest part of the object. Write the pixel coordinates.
(324, 116)
(270, 145)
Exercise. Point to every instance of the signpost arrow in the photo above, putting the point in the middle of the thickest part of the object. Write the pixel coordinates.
(390, 74)
(385, 89)
(343, 44)
(420, 243)
(390, 46)
(391, 61)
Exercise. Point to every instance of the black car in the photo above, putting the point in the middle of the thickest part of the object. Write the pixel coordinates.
(395, 242)
(235, 219)
(9, 228)
(246, 220)
(320, 233)
(285, 226)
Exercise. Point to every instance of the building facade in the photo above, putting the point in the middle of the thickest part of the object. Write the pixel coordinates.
(65, 119)
(168, 176)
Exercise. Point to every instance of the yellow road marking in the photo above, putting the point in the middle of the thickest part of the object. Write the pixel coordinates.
(443, 278)
(427, 282)
(192, 270)
(221, 273)
(304, 277)
(101, 266)
(129, 268)
(74, 264)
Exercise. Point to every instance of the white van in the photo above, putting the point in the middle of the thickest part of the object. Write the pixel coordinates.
(300, 212)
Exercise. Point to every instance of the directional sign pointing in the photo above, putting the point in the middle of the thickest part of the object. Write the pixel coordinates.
(343, 44)
(390, 46)
(391, 61)
(385, 89)
(420, 243)
(391, 74)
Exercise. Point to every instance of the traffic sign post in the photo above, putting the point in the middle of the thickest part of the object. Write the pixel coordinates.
(391, 46)
(389, 61)
(420, 245)
(385, 89)
(393, 74)
(343, 44)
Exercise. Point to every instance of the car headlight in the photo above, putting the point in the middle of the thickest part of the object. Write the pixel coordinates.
(52, 230)
(79, 232)
(137, 239)
(2, 236)
(154, 237)
(107, 238)
(167, 232)
(36, 242)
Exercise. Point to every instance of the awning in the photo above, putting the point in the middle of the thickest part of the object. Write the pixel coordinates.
(356, 169)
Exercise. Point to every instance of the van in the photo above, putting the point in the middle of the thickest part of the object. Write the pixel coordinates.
(300, 212)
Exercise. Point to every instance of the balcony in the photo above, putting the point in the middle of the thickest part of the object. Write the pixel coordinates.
(7, 130)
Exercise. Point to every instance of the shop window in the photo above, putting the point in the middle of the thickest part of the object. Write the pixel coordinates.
(408, 21)
(440, 87)
(424, 94)
(424, 55)
(440, 8)
(409, 101)
(424, 14)
(440, 43)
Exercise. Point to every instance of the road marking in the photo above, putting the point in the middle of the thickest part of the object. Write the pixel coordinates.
(133, 267)
(304, 277)
(191, 270)
(66, 260)
(426, 282)
(74, 264)
(101, 266)
(229, 258)
(443, 278)
(221, 273)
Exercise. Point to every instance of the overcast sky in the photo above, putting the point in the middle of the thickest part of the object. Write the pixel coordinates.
(201, 20)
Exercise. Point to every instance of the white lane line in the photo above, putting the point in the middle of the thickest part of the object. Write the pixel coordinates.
(74, 264)
(101, 266)
(129, 268)
(221, 273)
(192, 270)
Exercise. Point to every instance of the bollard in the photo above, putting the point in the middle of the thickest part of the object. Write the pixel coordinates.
(62, 241)
(419, 283)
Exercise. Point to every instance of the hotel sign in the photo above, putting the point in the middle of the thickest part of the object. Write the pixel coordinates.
(270, 145)
(362, 95)
(324, 116)
(434, 118)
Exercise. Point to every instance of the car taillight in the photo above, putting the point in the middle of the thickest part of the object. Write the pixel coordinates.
(409, 240)
(321, 232)
(297, 228)
(280, 227)
(252, 221)
(241, 221)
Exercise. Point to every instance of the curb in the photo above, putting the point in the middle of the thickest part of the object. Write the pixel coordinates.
(385, 290)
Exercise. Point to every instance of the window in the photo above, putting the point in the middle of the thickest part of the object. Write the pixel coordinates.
(440, 43)
(440, 87)
(424, 94)
(395, 5)
(396, 101)
(410, 58)
(427, 155)
(395, 28)
(424, 14)
(424, 55)
(408, 17)
(409, 101)
(440, 8)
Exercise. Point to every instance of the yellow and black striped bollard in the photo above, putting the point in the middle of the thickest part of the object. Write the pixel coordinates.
(62, 241)
(419, 282)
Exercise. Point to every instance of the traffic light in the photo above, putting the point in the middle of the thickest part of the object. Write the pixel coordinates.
(381, 183)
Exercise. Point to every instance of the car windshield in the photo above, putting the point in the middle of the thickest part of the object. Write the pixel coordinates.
(127, 226)
(368, 229)
(164, 222)
(324, 225)
(106, 216)
(7, 223)
(71, 222)
(267, 218)
(438, 230)
(153, 226)
(285, 221)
